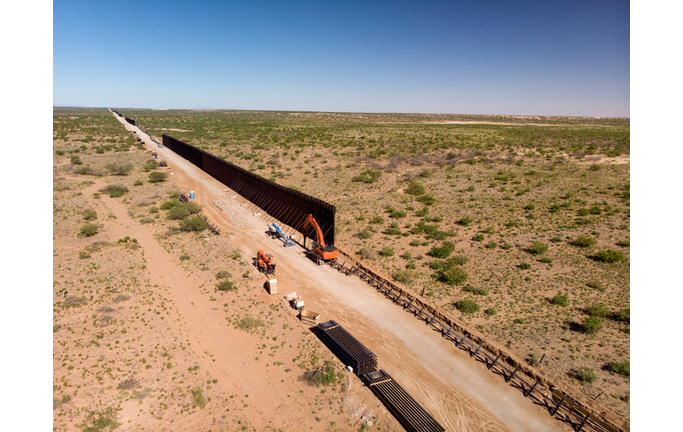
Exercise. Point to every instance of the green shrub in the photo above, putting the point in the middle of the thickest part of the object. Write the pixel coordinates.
(583, 241)
(137, 183)
(624, 243)
(546, 260)
(524, 266)
(560, 300)
(538, 248)
(623, 315)
(149, 166)
(83, 255)
(76, 160)
(115, 190)
(404, 276)
(250, 323)
(596, 210)
(59, 153)
(178, 212)
(198, 397)
(398, 214)
(194, 223)
(157, 176)
(491, 245)
(466, 306)
(364, 234)
(88, 230)
(377, 220)
(387, 251)
(89, 214)
(226, 285)
(455, 276)
(597, 310)
(477, 291)
(223, 274)
(597, 285)
(459, 260)
(321, 376)
(583, 212)
(119, 168)
(83, 170)
(367, 253)
(442, 252)
(621, 368)
(415, 243)
(367, 176)
(490, 311)
(427, 200)
(415, 188)
(586, 375)
(478, 237)
(609, 256)
(593, 324)
(169, 204)
(96, 421)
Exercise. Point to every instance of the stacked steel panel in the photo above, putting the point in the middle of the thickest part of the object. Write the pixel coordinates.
(347, 348)
(403, 407)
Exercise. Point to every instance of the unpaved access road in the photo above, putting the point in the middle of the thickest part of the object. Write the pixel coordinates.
(457, 391)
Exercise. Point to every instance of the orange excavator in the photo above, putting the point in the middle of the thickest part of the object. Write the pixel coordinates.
(264, 262)
(327, 253)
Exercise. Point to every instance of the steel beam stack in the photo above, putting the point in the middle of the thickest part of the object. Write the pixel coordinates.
(403, 407)
(347, 348)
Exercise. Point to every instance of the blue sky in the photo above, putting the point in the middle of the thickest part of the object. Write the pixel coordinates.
(533, 58)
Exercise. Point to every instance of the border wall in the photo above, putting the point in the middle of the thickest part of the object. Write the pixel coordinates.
(284, 204)
(130, 120)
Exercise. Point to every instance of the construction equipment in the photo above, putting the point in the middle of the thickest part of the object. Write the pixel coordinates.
(296, 301)
(264, 262)
(274, 230)
(327, 253)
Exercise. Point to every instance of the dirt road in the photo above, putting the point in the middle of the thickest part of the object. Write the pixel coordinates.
(459, 392)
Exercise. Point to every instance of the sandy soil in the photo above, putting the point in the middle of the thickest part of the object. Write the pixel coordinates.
(456, 390)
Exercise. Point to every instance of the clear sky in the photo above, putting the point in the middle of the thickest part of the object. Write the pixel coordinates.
(465, 57)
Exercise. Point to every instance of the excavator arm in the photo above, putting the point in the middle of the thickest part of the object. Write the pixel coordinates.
(325, 252)
(311, 222)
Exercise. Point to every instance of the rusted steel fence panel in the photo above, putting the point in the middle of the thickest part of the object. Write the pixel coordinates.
(284, 204)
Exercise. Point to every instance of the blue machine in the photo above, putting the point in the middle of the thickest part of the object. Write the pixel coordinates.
(288, 241)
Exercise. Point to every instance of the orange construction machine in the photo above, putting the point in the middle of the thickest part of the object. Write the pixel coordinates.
(323, 252)
(264, 262)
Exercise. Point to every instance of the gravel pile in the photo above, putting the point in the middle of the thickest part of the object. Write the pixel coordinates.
(236, 219)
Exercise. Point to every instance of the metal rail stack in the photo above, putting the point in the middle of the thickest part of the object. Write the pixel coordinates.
(347, 348)
(403, 407)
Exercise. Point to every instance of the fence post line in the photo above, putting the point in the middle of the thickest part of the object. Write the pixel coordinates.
(494, 362)
(512, 374)
(559, 404)
(477, 350)
(457, 344)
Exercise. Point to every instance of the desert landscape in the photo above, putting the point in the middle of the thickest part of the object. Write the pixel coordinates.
(518, 226)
